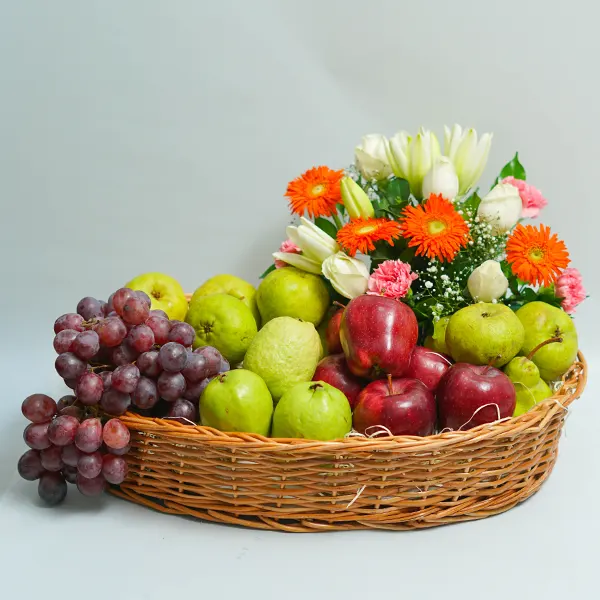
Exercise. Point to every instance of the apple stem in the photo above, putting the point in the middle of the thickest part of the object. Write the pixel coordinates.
(339, 304)
(390, 386)
(542, 344)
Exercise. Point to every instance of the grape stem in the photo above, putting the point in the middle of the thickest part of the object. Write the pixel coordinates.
(542, 344)
(105, 367)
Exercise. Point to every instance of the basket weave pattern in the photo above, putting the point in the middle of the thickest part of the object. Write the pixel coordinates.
(356, 483)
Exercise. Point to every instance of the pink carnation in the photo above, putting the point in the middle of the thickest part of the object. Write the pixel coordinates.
(391, 279)
(569, 287)
(532, 198)
(291, 248)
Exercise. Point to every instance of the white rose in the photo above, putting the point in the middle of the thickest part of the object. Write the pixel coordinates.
(501, 207)
(487, 282)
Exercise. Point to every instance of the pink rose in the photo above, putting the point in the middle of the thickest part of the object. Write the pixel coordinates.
(532, 198)
(391, 279)
(569, 287)
(291, 248)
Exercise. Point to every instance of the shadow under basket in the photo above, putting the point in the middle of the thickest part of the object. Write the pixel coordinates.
(355, 483)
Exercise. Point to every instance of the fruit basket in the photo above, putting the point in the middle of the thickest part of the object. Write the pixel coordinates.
(355, 483)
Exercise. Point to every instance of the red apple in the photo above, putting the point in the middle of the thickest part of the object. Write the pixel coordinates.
(466, 388)
(404, 406)
(378, 335)
(334, 371)
(427, 366)
(332, 333)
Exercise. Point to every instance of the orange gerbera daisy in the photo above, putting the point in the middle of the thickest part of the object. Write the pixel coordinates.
(360, 235)
(536, 256)
(435, 228)
(317, 191)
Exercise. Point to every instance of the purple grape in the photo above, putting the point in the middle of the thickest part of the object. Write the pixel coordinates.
(135, 311)
(115, 434)
(195, 369)
(120, 297)
(62, 431)
(90, 308)
(125, 378)
(89, 389)
(71, 383)
(109, 305)
(193, 391)
(30, 466)
(160, 327)
(141, 338)
(38, 408)
(72, 411)
(103, 306)
(183, 334)
(68, 321)
(224, 366)
(119, 451)
(148, 364)
(102, 357)
(86, 344)
(90, 465)
(52, 488)
(89, 435)
(171, 386)
(182, 409)
(144, 297)
(70, 455)
(69, 366)
(111, 331)
(65, 401)
(51, 458)
(106, 377)
(159, 313)
(172, 357)
(123, 355)
(63, 340)
(146, 394)
(70, 473)
(213, 358)
(114, 469)
(91, 487)
(36, 436)
(115, 403)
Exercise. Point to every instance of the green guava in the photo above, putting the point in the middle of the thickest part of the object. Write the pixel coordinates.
(290, 292)
(312, 410)
(237, 400)
(223, 322)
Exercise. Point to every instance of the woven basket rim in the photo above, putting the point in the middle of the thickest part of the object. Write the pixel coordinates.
(573, 384)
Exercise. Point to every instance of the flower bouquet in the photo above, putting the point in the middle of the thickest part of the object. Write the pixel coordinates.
(406, 361)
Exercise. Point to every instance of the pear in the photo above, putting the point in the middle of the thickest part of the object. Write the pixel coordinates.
(437, 340)
(529, 386)
(541, 322)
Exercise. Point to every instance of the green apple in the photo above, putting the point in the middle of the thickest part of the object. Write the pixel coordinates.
(312, 410)
(165, 293)
(484, 334)
(234, 286)
(437, 340)
(284, 352)
(223, 322)
(542, 322)
(238, 400)
(291, 292)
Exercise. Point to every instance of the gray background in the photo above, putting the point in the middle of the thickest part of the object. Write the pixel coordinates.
(138, 136)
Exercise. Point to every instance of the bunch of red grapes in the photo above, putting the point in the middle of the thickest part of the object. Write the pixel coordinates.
(116, 356)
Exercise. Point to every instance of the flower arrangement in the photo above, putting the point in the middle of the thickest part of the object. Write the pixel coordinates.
(407, 221)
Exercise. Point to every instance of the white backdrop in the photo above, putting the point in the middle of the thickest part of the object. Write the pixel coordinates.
(153, 135)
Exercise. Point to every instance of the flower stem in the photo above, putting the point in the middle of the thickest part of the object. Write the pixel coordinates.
(338, 221)
(542, 344)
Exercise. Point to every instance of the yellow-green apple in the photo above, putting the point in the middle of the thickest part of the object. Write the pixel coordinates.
(164, 291)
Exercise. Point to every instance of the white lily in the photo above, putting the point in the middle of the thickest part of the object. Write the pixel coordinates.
(411, 158)
(371, 157)
(468, 154)
(441, 179)
(501, 207)
(348, 276)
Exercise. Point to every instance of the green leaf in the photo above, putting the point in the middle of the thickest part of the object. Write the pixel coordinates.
(271, 268)
(470, 205)
(514, 168)
(398, 189)
(327, 226)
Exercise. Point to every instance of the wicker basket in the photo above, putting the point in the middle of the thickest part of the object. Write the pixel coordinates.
(355, 483)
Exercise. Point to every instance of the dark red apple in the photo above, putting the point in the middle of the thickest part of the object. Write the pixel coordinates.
(404, 406)
(427, 366)
(378, 335)
(334, 371)
(466, 388)
(332, 333)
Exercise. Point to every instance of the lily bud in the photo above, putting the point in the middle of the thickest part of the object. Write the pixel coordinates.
(487, 282)
(355, 200)
(441, 179)
(501, 207)
(371, 157)
(348, 276)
